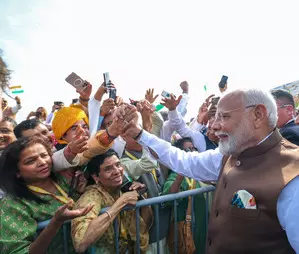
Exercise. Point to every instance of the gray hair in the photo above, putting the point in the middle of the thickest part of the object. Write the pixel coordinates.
(255, 96)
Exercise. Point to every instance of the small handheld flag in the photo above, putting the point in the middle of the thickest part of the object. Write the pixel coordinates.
(16, 89)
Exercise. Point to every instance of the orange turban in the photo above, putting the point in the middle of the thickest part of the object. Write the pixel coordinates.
(65, 119)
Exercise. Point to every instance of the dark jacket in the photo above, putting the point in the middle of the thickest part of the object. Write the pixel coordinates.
(263, 171)
(291, 132)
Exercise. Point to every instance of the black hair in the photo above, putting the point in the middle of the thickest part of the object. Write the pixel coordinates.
(24, 126)
(8, 119)
(284, 95)
(180, 143)
(93, 167)
(10, 183)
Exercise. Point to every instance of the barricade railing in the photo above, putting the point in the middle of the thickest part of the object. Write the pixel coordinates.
(174, 197)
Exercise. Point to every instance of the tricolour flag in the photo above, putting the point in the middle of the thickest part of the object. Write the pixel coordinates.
(16, 89)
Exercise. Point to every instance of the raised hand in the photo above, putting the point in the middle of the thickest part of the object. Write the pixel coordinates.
(171, 103)
(136, 186)
(85, 94)
(149, 96)
(107, 106)
(146, 110)
(63, 213)
(56, 107)
(119, 101)
(129, 198)
(208, 100)
(100, 92)
(79, 143)
(18, 100)
(202, 116)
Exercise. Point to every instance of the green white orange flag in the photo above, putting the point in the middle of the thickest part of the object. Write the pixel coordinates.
(16, 89)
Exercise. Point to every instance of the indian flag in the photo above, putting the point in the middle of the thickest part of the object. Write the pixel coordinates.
(16, 89)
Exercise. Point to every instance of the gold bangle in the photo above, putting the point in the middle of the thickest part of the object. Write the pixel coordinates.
(109, 215)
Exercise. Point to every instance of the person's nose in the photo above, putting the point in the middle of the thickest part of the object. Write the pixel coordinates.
(41, 162)
(216, 126)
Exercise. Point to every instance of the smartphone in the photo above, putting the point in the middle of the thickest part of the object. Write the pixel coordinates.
(215, 100)
(112, 93)
(107, 80)
(126, 188)
(58, 103)
(223, 81)
(77, 82)
(74, 101)
(166, 95)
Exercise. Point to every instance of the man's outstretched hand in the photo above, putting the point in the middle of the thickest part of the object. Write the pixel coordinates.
(130, 116)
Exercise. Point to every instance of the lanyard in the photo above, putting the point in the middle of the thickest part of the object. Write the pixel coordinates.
(63, 198)
(131, 156)
(190, 183)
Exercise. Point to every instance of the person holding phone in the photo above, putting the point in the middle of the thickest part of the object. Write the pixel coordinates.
(40, 114)
(107, 173)
(56, 106)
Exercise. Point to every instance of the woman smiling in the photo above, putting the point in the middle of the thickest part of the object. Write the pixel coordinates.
(33, 194)
(107, 172)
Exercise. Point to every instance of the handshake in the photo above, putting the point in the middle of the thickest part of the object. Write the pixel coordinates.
(126, 122)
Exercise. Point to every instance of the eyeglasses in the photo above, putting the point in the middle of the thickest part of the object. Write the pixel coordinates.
(284, 106)
(224, 116)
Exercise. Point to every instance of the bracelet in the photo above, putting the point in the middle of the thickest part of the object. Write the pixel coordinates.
(109, 136)
(81, 99)
(109, 215)
(139, 134)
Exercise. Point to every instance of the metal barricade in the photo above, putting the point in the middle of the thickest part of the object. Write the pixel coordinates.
(149, 202)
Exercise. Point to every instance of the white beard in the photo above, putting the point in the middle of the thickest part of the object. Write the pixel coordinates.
(236, 141)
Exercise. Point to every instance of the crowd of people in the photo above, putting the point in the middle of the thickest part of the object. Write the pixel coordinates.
(98, 153)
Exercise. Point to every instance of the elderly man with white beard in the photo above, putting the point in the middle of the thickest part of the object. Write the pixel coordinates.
(256, 199)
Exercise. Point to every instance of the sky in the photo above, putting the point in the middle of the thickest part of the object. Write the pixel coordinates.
(147, 44)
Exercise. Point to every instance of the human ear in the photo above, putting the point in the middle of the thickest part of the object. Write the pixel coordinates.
(260, 115)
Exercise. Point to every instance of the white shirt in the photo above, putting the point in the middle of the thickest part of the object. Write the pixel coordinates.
(167, 128)
(206, 167)
(196, 126)
(177, 122)
(94, 107)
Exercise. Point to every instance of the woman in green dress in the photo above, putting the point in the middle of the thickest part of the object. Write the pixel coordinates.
(33, 194)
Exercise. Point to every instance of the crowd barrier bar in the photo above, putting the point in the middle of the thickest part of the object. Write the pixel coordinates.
(174, 197)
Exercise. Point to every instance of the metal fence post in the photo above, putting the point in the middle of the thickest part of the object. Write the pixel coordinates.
(65, 238)
(156, 207)
(116, 235)
(148, 202)
(175, 221)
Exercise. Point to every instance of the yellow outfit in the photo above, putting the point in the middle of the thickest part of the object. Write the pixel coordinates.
(105, 245)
